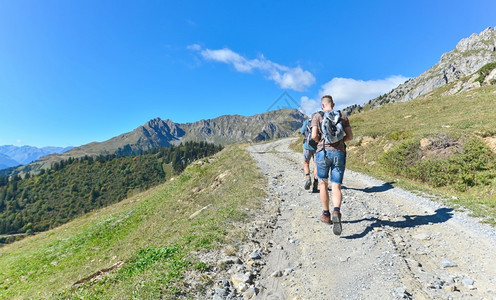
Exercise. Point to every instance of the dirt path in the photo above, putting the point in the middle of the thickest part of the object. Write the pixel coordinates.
(394, 245)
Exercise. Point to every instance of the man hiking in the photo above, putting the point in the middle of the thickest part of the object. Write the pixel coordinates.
(330, 131)
(308, 153)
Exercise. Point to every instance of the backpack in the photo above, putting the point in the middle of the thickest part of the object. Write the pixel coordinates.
(308, 131)
(308, 128)
(332, 127)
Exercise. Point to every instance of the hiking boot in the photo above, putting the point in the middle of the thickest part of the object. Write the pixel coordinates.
(325, 219)
(315, 188)
(336, 221)
(308, 182)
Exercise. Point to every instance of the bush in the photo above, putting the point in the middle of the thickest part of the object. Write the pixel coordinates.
(474, 166)
(399, 135)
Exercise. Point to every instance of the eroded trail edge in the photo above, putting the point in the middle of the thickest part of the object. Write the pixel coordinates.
(394, 245)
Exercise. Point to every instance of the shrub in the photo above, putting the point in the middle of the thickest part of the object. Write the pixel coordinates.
(399, 135)
(473, 166)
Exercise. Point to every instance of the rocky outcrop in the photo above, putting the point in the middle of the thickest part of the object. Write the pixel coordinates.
(241, 129)
(469, 56)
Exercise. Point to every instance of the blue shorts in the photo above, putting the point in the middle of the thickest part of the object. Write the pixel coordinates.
(333, 161)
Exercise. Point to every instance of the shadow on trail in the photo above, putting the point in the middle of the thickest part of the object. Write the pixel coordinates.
(442, 215)
(375, 189)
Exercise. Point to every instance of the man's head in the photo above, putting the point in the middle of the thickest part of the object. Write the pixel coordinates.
(327, 102)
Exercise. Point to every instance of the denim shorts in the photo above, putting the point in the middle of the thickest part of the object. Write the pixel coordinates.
(333, 161)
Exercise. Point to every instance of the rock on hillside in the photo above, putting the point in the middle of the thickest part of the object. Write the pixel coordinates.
(470, 55)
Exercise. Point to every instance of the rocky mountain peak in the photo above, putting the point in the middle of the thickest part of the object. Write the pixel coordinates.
(155, 124)
(469, 56)
(483, 41)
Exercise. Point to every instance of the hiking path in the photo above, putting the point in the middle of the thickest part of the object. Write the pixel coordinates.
(395, 244)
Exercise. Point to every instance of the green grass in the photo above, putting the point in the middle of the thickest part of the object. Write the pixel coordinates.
(150, 232)
(387, 145)
(484, 71)
(297, 145)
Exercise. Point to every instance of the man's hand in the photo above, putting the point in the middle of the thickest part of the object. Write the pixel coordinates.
(312, 143)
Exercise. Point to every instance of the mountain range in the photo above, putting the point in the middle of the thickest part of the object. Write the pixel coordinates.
(223, 130)
(11, 156)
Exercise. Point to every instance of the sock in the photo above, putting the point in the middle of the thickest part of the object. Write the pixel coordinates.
(337, 209)
(326, 213)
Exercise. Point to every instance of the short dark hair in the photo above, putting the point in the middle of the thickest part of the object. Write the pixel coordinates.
(327, 99)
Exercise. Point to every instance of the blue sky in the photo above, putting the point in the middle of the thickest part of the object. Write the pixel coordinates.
(73, 72)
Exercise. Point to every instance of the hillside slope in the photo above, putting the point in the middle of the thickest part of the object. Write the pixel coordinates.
(146, 246)
(470, 55)
(441, 143)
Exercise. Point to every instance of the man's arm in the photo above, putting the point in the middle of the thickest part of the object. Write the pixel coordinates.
(315, 134)
(349, 134)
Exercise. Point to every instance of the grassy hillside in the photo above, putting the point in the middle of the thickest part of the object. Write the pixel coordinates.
(76, 186)
(444, 145)
(440, 144)
(147, 240)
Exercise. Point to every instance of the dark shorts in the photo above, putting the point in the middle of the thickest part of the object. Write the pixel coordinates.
(308, 154)
(332, 161)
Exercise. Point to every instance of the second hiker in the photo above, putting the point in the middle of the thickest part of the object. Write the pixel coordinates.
(309, 148)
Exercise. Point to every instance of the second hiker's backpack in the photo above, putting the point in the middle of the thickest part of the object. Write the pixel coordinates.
(308, 131)
(332, 127)
(308, 128)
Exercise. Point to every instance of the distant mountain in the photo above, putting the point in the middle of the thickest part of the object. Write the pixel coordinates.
(462, 67)
(227, 129)
(11, 156)
(7, 162)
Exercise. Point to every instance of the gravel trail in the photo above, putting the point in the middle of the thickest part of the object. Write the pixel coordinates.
(394, 245)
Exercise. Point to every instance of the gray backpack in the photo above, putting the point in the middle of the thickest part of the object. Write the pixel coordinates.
(332, 127)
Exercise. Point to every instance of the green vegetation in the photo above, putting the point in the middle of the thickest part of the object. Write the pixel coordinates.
(455, 160)
(151, 236)
(297, 145)
(76, 186)
(484, 71)
(473, 166)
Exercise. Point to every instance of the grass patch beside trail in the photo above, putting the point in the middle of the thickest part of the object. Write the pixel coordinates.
(150, 232)
(297, 145)
(434, 143)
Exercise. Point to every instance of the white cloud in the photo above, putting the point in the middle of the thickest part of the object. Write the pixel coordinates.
(309, 106)
(194, 47)
(19, 141)
(287, 78)
(348, 91)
